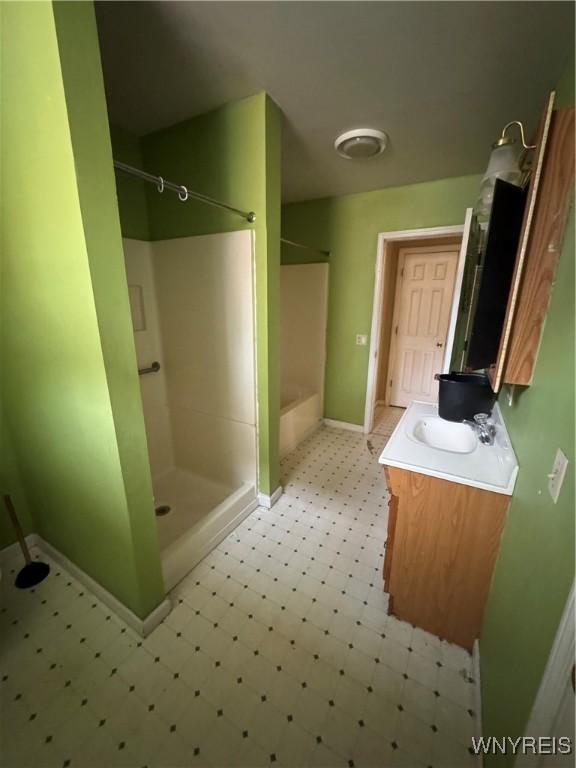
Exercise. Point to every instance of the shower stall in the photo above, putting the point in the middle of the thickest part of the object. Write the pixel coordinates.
(192, 303)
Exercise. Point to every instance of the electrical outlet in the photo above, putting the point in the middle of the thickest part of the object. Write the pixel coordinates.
(361, 340)
(556, 477)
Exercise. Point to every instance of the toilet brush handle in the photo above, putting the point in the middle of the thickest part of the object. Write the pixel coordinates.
(17, 527)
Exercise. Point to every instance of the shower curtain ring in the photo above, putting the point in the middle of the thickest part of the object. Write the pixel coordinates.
(183, 192)
(160, 184)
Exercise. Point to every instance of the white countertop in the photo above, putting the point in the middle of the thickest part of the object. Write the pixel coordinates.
(491, 467)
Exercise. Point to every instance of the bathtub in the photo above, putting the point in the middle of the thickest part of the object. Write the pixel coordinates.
(300, 415)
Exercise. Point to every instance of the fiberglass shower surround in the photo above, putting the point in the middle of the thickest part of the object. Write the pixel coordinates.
(303, 316)
(193, 312)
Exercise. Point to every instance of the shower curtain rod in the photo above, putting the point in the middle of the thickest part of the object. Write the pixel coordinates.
(183, 192)
(306, 247)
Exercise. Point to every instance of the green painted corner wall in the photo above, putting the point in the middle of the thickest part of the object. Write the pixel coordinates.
(232, 154)
(291, 254)
(61, 392)
(535, 567)
(10, 477)
(348, 227)
(220, 154)
(11, 483)
(132, 203)
(269, 328)
(88, 120)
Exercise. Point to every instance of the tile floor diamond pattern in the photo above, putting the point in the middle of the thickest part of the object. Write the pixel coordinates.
(279, 650)
(385, 418)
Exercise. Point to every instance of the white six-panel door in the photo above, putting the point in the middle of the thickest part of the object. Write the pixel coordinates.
(424, 288)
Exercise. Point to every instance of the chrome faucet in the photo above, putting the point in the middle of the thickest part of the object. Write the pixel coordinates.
(483, 427)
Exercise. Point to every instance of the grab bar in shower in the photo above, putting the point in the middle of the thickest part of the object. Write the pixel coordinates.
(154, 368)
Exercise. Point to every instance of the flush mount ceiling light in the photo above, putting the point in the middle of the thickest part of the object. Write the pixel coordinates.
(361, 143)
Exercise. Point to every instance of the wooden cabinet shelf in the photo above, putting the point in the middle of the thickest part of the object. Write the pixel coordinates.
(443, 538)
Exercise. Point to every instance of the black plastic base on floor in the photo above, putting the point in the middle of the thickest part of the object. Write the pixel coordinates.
(32, 574)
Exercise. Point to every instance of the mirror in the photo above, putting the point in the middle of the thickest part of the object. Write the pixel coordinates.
(490, 261)
(468, 295)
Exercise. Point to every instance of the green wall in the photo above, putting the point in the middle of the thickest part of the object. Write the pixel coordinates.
(535, 567)
(70, 388)
(132, 203)
(231, 154)
(10, 478)
(11, 482)
(290, 254)
(88, 119)
(348, 227)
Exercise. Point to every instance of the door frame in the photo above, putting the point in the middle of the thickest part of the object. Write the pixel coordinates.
(382, 254)
(549, 697)
(392, 349)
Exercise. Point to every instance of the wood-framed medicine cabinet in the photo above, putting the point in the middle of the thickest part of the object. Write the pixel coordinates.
(548, 200)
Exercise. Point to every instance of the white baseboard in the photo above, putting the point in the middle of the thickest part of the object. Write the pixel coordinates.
(269, 501)
(477, 696)
(344, 425)
(154, 618)
(142, 627)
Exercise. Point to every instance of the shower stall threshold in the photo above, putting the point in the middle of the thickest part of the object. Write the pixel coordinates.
(180, 556)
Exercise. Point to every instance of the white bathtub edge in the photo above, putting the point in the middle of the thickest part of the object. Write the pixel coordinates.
(298, 420)
(343, 425)
(293, 444)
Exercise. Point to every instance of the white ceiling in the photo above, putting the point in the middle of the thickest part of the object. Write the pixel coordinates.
(441, 78)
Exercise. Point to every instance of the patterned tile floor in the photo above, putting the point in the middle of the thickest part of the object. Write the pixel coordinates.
(278, 651)
(385, 418)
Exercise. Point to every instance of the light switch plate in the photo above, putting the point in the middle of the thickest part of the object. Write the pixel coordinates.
(361, 340)
(556, 477)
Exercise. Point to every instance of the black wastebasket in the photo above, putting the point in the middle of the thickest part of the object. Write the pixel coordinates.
(462, 395)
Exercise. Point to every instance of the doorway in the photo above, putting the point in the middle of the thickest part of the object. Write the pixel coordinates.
(552, 714)
(418, 278)
(423, 297)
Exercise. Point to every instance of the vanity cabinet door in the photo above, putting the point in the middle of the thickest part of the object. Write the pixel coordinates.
(445, 540)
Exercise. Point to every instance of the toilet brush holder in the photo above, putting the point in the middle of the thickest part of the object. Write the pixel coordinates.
(34, 571)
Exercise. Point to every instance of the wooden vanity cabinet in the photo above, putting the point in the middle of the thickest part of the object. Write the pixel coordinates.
(443, 538)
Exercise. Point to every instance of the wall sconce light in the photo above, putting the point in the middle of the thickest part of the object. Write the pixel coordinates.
(504, 139)
(505, 163)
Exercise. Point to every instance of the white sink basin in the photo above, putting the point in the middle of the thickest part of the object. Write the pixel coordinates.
(444, 435)
(426, 444)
